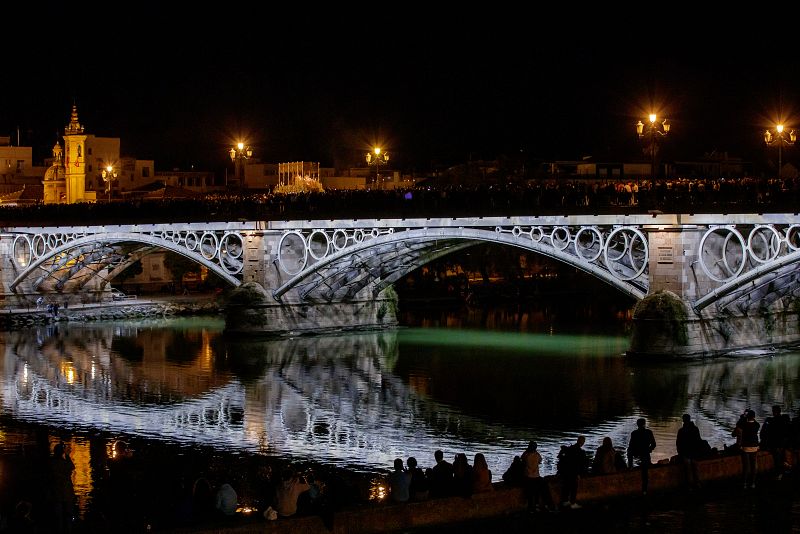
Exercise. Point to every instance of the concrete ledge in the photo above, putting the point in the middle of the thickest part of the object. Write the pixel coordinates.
(395, 517)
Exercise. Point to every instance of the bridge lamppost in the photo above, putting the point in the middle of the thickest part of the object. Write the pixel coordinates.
(238, 154)
(109, 175)
(377, 157)
(780, 138)
(655, 130)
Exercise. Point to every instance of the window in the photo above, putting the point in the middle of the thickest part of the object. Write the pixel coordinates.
(20, 165)
(145, 172)
(89, 150)
(90, 168)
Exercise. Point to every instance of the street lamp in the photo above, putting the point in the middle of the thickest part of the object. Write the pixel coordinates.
(779, 138)
(377, 158)
(109, 175)
(239, 153)
(654, 131)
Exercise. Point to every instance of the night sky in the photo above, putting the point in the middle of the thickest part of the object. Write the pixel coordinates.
(182, 89)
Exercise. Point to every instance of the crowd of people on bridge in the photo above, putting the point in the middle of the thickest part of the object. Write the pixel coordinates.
(533, 197)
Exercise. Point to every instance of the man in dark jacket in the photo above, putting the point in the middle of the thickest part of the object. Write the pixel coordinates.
(640, 446)
(775, 438)
(688, 443)
(571, 465)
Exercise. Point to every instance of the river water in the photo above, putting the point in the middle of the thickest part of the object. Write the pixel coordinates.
(487, 382)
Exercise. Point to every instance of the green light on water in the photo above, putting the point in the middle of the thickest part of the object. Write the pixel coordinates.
(533, 344)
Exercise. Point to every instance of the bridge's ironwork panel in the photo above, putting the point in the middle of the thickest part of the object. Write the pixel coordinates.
(754, 265)
(335, 264)
(61, 258)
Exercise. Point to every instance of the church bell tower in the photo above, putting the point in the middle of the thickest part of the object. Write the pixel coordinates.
(75, 159)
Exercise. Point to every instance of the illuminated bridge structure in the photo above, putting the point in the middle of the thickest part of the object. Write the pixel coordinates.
(335, 273)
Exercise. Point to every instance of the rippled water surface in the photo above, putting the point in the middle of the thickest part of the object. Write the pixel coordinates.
(360, 400)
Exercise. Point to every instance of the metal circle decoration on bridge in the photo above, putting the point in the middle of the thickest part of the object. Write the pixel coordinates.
(793, 237)
(223, 248)
(292, 253)
(725, 253)
(722, 253)
(625, 253)
(231, 251)
(589, 243)
(22, 251)
(295, 246)
(764, 243)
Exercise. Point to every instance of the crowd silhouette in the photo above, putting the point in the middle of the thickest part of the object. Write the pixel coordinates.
(533, 197)
(133, 499)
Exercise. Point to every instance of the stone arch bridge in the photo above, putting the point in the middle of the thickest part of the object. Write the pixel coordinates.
(332, 274)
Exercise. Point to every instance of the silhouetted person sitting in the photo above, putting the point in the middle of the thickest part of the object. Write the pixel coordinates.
(514, 475)
(440, 476)
(481, 475)
(462, 475)
(289, 490)
(605, 457)
(399, 482)
(418, 488)
(226, 500)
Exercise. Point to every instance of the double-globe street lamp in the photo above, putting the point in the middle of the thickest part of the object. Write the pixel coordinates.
(109, 175)
(238, 154)
(779, 137)
(655, 130)
(377, 157)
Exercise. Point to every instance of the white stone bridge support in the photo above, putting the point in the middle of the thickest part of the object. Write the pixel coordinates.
(720, 283)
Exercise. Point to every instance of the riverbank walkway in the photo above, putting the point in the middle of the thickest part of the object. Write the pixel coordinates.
(611, 503)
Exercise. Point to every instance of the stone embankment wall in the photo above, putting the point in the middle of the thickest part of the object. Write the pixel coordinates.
(108, 312)
(388, 518)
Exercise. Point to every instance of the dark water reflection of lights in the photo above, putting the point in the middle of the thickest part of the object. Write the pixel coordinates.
(360, 400)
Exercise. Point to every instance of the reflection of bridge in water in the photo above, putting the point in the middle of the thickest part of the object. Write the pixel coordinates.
(341, 399)
(336, 396)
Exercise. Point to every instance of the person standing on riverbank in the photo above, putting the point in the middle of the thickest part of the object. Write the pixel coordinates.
(775, 438)
(532, 480)
(750, 449)
(640, 445)
(689, 445)
(571, 465)
(63, 493)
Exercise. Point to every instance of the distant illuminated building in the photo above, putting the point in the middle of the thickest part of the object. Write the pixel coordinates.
(55, 188)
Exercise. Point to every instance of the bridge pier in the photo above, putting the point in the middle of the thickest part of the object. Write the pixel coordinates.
(668, 322)
(252, 310)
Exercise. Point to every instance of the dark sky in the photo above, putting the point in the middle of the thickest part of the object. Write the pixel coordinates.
(326, 86)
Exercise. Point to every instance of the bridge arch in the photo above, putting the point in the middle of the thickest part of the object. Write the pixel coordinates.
(222, 255)
(377, 258)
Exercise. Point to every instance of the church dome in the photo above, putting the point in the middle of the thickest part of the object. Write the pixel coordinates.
(55, 172)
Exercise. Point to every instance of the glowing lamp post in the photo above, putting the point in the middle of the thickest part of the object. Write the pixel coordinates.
(780, 138)
(377, 158)
(654, 131)
(109, 175)
(238, 154)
